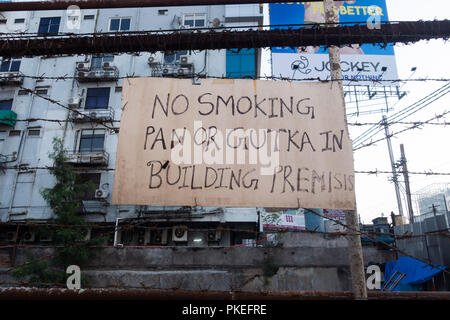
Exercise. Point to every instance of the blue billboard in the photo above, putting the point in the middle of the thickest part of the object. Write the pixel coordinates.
(359, 62)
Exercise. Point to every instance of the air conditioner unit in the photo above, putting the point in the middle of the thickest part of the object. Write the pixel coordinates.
(185, 60)
(28, 236)
(94, 74)
(183, 71)
(83, 74)
(108, 65)
(83, 66)
(159, 237)
(143, 237)
(77, 116)
(109, 74)
(74, 102)
(185, 27)
(167, 71)
(154, 60)
(214, 235)
(11, 236)
(179, 233)
(101, 194)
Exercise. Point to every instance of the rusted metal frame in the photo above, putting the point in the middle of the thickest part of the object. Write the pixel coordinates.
(136, 42)
(168, 294)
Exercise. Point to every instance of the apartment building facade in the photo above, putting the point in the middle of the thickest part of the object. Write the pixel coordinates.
(88, 104)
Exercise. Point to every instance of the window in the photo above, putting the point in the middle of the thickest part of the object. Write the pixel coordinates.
(97, 98)
(119, 24)
(89, 17)
(34, 132)
(174, 57)
(92, 140)
(14, 133)
(3, 21)
(10, 65)
(98, 60)
(49, 25)
(41, 90)
(163, 12)
(22, 93)
(88, 178)
(6, 104)
(118, 89)
(241, 64)
(194, 20)
(19, 20)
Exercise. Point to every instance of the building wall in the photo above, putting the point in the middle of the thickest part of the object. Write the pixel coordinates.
(20, 197)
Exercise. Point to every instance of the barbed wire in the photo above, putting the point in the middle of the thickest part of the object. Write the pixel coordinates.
(414, 126)
(366, 234)
(265, 77)
(93, 119)
(371, 172)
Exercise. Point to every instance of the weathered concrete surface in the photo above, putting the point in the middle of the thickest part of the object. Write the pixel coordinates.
(309, 267)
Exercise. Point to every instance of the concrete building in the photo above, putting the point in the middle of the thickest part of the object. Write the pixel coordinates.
(93, 90)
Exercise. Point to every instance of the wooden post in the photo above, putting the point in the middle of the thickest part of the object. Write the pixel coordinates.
(358, 279)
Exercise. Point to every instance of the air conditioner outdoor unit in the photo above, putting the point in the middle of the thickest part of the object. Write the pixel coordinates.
(101, 194)
(154, 60)
(159, 236)
(179, 233)
(93, 74)
(214, 235)
(185, 26)
(11, 236)
(74, 102)
(77, 116)
(83, 74)
(167, 71)
(109, 74)
(108, 65)
(185, 60)
(29, 236)
(83, 66)
(183, 71)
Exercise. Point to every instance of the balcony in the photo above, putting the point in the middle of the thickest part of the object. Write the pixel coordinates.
(93, 115)
(88, 158)
(8, 117)
(107, 73)
(11, 78)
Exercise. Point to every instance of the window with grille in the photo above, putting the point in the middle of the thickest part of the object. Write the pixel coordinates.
(92, 140)
(195, 20)
(97, 98)
(6, 104)
(119, 24)
(49, 26)
(98, 60)
(10, 65)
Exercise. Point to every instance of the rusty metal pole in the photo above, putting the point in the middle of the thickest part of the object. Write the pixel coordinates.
(358, 279)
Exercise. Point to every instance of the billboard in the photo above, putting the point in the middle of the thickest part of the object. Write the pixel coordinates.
(364, 63)
(233, 142)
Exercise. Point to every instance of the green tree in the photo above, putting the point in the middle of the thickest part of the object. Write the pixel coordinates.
(70, 229)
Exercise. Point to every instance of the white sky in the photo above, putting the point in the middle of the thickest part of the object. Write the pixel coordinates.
(427, 148)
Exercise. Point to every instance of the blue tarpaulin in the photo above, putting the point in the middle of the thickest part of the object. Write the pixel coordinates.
(416, 272)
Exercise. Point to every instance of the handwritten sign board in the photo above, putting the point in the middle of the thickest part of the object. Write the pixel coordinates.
(241, 143)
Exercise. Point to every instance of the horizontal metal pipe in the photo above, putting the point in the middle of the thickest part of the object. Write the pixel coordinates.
(168, 294)
(401, 32)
